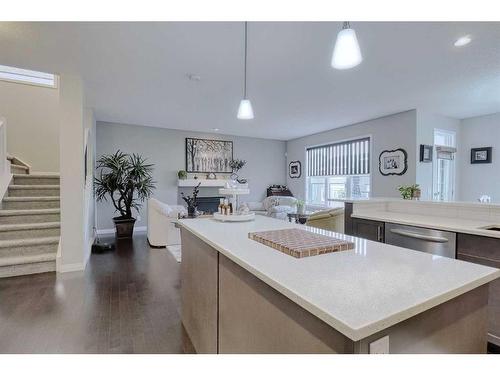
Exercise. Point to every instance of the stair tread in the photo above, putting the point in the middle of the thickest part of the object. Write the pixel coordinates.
(25, 259)
(29, 242)
(34, 187)
(32, 199)
(39, 211)
(37, 175)
(15, 227)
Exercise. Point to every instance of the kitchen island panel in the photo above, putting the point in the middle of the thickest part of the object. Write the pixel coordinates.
(255, 318)
(199, 292)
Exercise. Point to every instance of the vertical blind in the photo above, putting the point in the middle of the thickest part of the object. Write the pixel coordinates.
(337, 159)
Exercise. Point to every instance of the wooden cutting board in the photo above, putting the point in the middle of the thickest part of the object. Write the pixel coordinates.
(300, 243)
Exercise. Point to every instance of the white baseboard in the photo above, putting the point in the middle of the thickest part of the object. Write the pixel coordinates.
(112, 231)
(72, 267)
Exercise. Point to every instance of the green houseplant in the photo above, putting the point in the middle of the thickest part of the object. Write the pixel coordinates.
(127, 180)
(409, 191)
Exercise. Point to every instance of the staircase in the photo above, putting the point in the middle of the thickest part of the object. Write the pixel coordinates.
(29, 222)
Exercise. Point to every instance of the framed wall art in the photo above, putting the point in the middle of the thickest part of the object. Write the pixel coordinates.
(208, 155)
(480, 155)
(426, 153)
(393, 162)
(295, 169)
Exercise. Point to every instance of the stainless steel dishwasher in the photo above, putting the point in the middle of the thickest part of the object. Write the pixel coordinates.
(422, 239)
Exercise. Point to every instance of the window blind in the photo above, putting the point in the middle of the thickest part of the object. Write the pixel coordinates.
(339, 159)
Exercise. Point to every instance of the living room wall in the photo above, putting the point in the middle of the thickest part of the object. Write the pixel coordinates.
(387, 133)
(166, 149)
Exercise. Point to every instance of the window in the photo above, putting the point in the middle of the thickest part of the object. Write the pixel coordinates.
(32, 77)
(338, 171)
(443, 180)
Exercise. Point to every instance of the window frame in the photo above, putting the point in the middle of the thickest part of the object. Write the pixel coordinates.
(329, 202)
(37, 84)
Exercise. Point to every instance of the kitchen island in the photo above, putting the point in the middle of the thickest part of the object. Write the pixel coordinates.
(240, 296)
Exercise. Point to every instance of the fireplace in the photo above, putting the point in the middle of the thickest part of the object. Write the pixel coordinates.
(208, 204)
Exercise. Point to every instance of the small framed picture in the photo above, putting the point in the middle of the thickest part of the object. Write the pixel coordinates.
(426, 153)
(393, 162)
(480, 155)
(295, 169)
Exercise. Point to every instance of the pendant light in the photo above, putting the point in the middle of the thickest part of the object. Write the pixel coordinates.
(346, 53)
(245, 110)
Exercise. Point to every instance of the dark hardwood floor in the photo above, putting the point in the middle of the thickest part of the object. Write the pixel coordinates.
(126, 301)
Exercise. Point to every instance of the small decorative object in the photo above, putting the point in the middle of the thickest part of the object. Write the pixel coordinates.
(410, 191)
(195, 177)
(484, 199)
(244, 209)
(211, 176)
(426, 153)
(182, 174)
(393, 162)
(301, 205)
(295, 169)
(208, 155)
(128, 181)
(191, 200)
(481, 155)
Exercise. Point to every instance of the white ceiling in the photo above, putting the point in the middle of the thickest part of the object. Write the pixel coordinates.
(135, 73)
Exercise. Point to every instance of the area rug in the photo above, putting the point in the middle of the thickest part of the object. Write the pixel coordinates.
(175, 250)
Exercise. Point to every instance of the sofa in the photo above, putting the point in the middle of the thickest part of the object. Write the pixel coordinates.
(161, 223)
(332, 220)
(274, 206)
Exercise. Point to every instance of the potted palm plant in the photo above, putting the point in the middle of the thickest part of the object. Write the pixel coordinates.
(127, 180)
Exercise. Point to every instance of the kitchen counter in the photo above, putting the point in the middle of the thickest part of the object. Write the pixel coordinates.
(450, 224)
(358, 292)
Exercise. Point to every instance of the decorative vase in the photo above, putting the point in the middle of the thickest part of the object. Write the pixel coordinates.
(234, 180)
(301, 209)
(191, 211)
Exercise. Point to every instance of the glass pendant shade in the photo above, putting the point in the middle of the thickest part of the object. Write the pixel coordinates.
(245, 110)
(346, 53)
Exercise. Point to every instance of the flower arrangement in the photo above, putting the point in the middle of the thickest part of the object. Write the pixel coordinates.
(191, 200)
(237, 164)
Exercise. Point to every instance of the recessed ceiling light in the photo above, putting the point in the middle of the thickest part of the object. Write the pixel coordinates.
(215, 129)
(462, 41)
(193, 77)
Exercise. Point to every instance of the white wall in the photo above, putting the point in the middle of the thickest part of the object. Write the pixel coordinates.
(387, 133)
(426, 123)
(166, 149)
(72, 256)
(479, 179)
(32, 114)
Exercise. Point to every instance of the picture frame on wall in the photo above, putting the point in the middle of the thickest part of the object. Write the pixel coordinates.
(208, 155)
(481, 155)
(426, 153)
(393, 162)
(295, 169)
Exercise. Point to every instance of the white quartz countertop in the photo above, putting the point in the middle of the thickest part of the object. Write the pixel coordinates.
(358, 292)
(450, 224)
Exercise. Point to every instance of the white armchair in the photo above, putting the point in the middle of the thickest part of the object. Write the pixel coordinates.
(274, 206)
(161, 223)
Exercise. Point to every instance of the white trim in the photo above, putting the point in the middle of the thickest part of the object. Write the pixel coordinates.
(112, 231)
(72, 267)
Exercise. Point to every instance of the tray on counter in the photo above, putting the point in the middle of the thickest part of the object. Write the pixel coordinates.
(300, 243)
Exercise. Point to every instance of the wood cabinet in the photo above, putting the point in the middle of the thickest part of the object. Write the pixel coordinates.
(485, 251)
(368, 229)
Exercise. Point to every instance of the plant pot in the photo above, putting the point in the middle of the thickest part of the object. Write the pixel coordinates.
(301, 210)
(124, 227)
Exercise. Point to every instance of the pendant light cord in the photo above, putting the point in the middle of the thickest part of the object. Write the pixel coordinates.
(245, 79)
